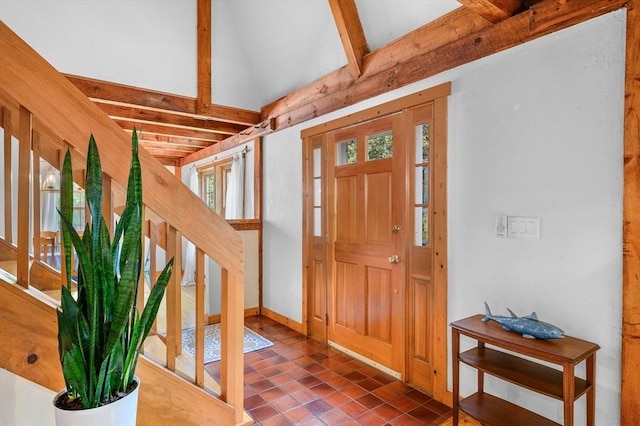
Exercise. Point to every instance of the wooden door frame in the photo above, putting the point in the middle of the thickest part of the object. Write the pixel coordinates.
(438, 95)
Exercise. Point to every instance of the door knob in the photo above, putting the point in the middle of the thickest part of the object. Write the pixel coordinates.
(395, 229)
(394, 259)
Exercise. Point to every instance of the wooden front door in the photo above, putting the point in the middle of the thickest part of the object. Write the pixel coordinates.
(366, 200)
(376, 188)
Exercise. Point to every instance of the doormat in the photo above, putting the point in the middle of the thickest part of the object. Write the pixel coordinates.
(252, 342)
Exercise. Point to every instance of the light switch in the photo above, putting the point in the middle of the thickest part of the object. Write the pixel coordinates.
(523, 227)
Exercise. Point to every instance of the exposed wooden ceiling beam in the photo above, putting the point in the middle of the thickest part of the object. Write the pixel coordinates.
(168, 118)
(245, 136)
(99, 90)
(351, 33)
(203, 102)
(161, 129)
(454, 40)
(493, 10)
(173, 141)
(429, 37)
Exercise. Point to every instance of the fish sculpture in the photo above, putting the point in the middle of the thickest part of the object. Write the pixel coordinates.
(530, 326)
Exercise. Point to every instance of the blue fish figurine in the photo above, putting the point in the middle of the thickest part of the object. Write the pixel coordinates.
(530, 326)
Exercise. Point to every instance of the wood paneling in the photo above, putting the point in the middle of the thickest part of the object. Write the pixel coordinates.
(377, 215)
(379, 302)
(346, 202)
(349, 297)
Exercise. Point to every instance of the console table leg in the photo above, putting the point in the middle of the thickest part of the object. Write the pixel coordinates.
(569, 390)
(455, 350)
(591, 393)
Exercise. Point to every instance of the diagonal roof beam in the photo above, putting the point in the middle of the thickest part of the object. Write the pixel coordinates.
(455, 39)
(493, 11)
(351, 33)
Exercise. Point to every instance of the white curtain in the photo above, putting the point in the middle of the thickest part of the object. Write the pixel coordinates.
(48, 212)
(234, 206)
(188, 249)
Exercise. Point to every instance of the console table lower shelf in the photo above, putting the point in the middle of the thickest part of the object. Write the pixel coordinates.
(558, 384)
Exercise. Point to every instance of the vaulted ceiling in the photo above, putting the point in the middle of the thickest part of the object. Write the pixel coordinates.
(304, 59)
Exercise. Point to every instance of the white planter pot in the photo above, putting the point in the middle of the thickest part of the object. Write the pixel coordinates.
(120, 413)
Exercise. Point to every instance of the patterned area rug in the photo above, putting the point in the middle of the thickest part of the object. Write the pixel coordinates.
(252, 342)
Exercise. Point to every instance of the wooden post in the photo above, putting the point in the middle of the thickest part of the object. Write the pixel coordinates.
(24, 204)
(203, 102)
(200, 317)
(8, 175)
(171, 296)
(232, 339)
(37, 220)
(630, 387)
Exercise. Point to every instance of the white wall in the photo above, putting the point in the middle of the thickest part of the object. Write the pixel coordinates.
(533, 131)
(23, 402)
(141, 43)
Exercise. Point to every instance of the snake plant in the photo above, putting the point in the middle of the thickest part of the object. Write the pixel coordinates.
(101, 331)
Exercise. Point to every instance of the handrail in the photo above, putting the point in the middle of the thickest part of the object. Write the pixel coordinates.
(45, 100)
(37, 86)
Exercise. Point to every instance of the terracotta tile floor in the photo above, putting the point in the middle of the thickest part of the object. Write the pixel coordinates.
(299, 381)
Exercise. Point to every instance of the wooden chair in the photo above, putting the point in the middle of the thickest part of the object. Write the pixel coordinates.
(48, 244)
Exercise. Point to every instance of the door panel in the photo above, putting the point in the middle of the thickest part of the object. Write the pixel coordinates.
(379, 304)
(346, 202)
(367, 290)
(315, 243)
(349, 297)
(378, 211)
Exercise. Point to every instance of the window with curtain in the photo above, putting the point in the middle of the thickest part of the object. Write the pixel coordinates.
(213, 184)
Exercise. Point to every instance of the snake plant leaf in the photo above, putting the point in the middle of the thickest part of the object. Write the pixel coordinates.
(124, 299)
(93, 190)
(109, 276)
(116, 366)
(155, 298)
(66, 209)
(144, 323)
(73, 367)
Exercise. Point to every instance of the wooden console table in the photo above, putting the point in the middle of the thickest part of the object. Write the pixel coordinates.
(558, 384)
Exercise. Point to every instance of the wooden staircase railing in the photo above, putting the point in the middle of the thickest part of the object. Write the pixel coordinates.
(47, 115)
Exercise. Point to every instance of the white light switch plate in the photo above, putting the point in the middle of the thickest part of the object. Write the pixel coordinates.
(523, 227)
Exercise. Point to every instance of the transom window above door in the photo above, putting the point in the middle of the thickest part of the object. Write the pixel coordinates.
(380, 146)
